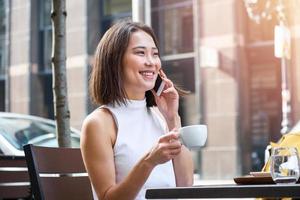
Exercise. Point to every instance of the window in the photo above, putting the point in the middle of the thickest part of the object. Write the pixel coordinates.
(2, 37)
(263, 28)
(181, 71)
(173, 24)
(44, 57)
(2, 57)
(45, 33)
(261, 32)
(113, 10)
(115, 7)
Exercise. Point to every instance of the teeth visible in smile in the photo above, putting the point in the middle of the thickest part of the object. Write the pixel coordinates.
(147, 73)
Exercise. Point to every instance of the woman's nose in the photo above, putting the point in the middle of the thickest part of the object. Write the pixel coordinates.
(149, 61)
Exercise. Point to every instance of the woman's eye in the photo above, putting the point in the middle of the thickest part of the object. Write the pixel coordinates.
(140, 52)
(156, 54)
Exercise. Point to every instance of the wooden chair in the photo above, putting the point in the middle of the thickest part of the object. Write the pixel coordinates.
(14, 178)
(57, 173)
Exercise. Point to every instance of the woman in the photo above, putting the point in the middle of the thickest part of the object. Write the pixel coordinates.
(128, 144)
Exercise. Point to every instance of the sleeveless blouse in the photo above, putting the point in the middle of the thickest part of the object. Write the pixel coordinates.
(138, 129)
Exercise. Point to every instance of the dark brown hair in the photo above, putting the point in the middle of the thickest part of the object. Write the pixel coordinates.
(106, 84)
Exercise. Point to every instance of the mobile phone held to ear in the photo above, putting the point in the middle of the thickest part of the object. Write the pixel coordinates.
(159, 85)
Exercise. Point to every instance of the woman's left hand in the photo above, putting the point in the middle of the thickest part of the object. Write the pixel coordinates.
(168, 101)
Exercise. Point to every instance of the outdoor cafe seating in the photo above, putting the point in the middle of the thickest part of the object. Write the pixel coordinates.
(57, 173)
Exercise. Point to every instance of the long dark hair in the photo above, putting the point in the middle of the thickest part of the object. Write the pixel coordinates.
(106, 84)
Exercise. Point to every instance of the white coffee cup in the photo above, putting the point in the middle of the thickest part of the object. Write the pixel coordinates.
(193, 137)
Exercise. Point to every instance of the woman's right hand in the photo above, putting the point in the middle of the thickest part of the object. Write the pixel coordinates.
(167, 148)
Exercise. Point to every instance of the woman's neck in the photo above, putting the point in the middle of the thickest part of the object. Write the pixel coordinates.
(135, 96)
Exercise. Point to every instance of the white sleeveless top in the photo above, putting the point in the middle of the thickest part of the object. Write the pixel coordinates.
(139, 128)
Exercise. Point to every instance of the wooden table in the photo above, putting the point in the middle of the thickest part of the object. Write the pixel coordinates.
(225, 191)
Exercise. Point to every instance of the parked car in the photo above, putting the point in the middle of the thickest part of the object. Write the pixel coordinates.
(17, 130)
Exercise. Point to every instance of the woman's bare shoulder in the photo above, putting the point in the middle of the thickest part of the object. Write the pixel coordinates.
(98, 121)
(99, 116)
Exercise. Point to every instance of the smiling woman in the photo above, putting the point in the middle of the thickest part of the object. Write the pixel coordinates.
(108, 88)
(125, 155)
(141, 64)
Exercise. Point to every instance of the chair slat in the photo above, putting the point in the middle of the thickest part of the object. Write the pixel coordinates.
(13, 176)
(67, 188)
(58, 160)
(12, 161)
(14, 192)
(49, 160)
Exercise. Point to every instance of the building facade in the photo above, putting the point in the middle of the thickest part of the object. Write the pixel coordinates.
(209, 47)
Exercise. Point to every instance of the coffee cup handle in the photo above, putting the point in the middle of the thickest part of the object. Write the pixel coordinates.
(181, 140)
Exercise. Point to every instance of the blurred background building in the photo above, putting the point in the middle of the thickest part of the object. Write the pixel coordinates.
(220, 50)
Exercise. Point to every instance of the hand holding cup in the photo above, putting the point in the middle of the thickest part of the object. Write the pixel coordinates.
(193, 137)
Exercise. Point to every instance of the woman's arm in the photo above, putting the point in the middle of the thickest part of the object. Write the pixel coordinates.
(168, 103)
(97, 140)
(184, 168)
(183, 162)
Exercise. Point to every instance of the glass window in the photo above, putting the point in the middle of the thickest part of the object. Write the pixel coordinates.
(2, 17)
(173, 24)
(181, 72)
(2, 57)
(265, 112)
(115, 7)
(263, 31)
(113, 10)
(2, 37)
(261, 27)
(45, 29)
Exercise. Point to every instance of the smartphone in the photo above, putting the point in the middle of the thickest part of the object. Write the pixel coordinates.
(159, 85)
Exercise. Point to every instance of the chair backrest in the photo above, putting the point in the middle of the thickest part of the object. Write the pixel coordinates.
(57, 173)
(14, 178)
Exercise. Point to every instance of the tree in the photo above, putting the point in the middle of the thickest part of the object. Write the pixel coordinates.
(60, 92)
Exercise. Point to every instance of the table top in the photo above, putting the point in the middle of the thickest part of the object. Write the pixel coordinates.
(226, 191)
